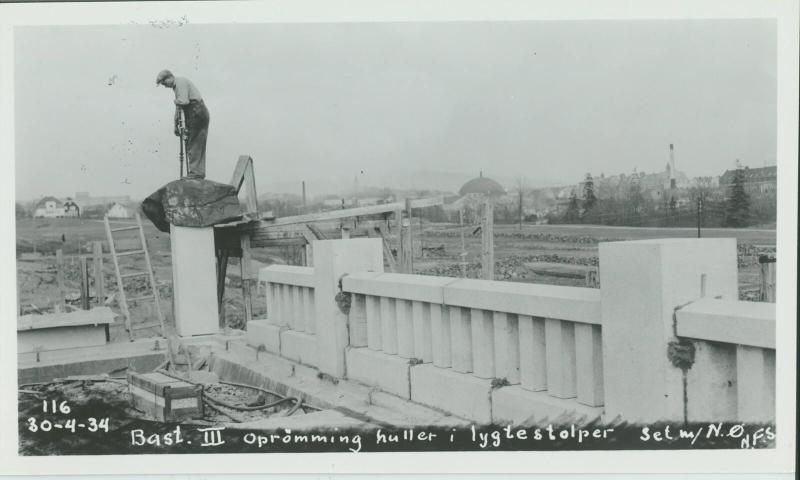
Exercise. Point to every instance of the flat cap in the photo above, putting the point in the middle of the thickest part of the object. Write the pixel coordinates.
(162, 75)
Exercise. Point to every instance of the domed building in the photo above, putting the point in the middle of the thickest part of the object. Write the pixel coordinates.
(482, 186)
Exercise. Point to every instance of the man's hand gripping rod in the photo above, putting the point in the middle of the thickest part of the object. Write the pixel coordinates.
(182, 134)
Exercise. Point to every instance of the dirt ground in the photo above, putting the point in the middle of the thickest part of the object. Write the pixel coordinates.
(550, 254)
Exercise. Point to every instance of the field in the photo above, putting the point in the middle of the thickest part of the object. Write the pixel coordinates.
(551, 254)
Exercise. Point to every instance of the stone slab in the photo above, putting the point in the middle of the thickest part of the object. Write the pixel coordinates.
(552, 301)
(387, 372)
(58, 338)
(261, 332)
(460, 394)
(299, 347)
(514, 405)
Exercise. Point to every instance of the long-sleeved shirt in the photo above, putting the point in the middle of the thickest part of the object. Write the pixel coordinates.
(185, 91)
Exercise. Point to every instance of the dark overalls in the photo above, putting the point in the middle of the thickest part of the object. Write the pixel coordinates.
(197, 118)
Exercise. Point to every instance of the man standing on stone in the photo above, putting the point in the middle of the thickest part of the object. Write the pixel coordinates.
(188, 99)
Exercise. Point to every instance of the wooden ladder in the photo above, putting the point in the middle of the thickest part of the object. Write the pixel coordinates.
(123, 300)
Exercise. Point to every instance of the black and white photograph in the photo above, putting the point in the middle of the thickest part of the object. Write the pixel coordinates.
(493, 236)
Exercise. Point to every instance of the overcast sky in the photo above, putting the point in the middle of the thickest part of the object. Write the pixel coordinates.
(402, 104)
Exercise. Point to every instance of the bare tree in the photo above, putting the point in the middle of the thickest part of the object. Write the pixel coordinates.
(520, 194)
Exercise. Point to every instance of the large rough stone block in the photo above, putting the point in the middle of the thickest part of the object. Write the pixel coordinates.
(192, 202)
(458, 393)
(390, 373)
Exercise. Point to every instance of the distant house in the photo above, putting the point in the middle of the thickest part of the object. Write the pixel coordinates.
(71, 209)
(49, 207)
(118, 210)
(761, 180)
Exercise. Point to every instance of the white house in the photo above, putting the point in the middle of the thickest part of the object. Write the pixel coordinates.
(118, 211)
(49, 207)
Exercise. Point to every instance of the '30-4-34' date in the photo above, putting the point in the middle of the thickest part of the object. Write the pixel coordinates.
(72, 425)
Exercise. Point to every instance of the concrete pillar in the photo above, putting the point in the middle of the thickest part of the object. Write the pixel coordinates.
(506, 346)
(374, 333)
(440, 335)
(532, 353)
(642, 282)
(423, 346)
(194, 281)
(405, 328)
(482, 330)
(332, 260)
(308, 301)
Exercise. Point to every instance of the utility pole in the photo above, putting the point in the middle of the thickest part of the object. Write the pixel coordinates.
(699, 213)
(304, 197)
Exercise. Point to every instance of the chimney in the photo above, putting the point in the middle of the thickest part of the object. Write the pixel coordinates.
(671, 166)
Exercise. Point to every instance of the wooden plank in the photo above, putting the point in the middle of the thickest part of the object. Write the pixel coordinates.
(151, 274)
(481, 326)
(461, 340)
(258, 241)
(99, 280)
(247, 277)
(532, 353)
(560, 349)
(506, 346)
(121, 300)
(421, 315)
(95, 316)
(387, 251)
(84, 268)
(405, 328)
(60, 304)
(767, 283)
(346, 212)
(222, 270)
(238, 172)
(487, 240)
(440, 335)
(388, 326)
(589, 364)
(251, 199)
(310, 236)
(374, 333)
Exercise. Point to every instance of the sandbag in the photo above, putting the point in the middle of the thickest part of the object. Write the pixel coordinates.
(192, 202)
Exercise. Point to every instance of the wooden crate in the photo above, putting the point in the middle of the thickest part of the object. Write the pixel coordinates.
(165, 398)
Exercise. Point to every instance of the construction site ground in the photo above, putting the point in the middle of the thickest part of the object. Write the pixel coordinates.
(550, 254)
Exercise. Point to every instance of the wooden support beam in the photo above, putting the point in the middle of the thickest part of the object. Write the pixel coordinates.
(84, 268)
(222, 270)
(387, 251)
(244, 174)
(247, 277)
(99, 280)
(487, 240)
(310, 235)
(346, 213)
(60, 305)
